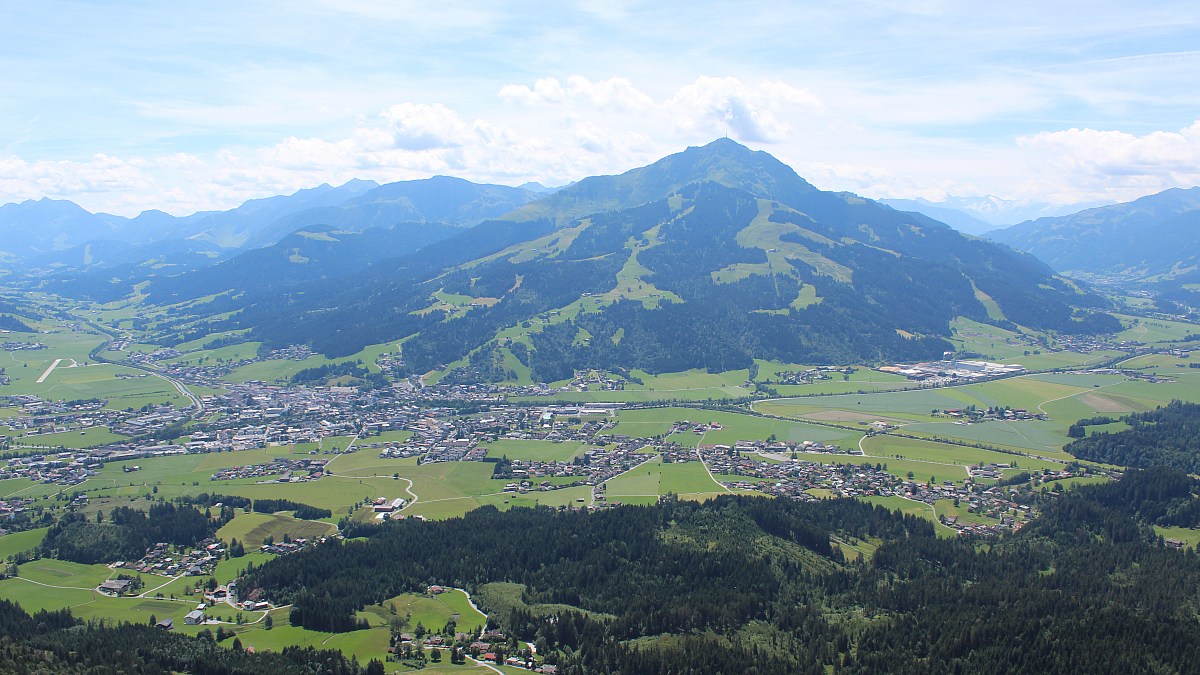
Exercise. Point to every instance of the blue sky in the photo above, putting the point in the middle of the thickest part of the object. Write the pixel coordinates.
(125, 106)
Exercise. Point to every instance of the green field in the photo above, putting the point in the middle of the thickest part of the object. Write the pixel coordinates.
(174, 476)
(33, 597)
(1044, 439)
(25, 367)
(251, 529)
(1019, 392)
(1153, 330)
(1189, 536)
(918, 509)
(88, 604)
(648, 481)
(451, 489)
(1063, 397)
(396, 436)
(64, 574)
(650, 422)
(990, 341)
(19, 542)
(500, 597)
(921, 470)
(443, 490)
(430, 611)
(101, 381)
(888, 447)
(24, 487)
(85, 438)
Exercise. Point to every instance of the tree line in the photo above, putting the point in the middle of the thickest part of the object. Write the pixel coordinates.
(128, 532)
(743, 584)
(1166, 436)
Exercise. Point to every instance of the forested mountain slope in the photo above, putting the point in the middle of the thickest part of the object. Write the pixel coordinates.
(1155, 235)
(706, 259)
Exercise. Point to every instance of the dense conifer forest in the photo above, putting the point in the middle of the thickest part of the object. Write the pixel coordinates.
(302, 511)
(1167, 436)
(125, 533)
(743, 584)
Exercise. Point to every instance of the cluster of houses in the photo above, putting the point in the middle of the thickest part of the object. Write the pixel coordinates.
(63, 469)
(13, 346)
(288, 547)
(490, 646)
(116, 587)
(37, 416)
(437, 436)
(456, 450)
(72, 467)
(804, 480)
(281, 469)
(1086, 344)
(13, 507)
(158, 418)
(383, 507)
(808, 375)
(1002, 413)
(596, 380)
(159, 560)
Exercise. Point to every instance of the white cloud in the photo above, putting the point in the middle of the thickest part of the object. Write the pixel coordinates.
(614, 92)
(1089, 164)
(553, 131)
(20, 179)
(717, 106)
(708, 107)
(417, 126)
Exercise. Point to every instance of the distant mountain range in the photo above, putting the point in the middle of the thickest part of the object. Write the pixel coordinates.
(977, 215)
(54, 235)
(707, 258)
(956, 218)
(1157, 236)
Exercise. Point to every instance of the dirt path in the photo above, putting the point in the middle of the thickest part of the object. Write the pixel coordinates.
(69, 588)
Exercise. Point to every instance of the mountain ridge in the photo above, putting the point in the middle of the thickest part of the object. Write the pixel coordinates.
(707, 258)
(60, 235)
(1154, 235)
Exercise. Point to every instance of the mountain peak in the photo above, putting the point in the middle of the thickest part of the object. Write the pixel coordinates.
(722, 161)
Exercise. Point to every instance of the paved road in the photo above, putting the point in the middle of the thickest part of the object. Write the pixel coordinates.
(97, 355)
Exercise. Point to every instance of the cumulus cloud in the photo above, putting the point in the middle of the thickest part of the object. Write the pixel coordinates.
(556, 130)
(21, 179)
(416, 126)
(1098, 164)
(709, 106)
(719, 105)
